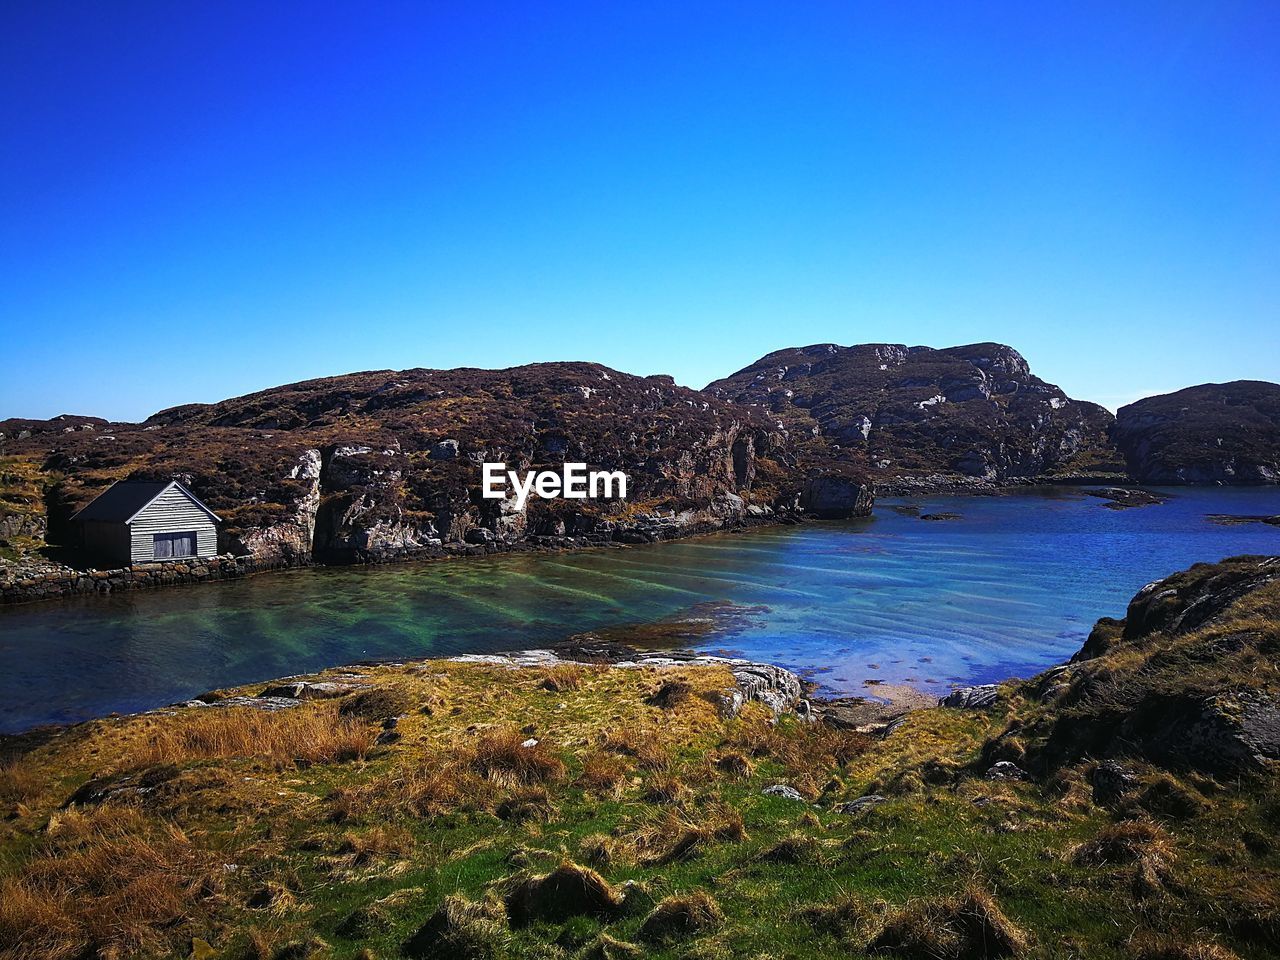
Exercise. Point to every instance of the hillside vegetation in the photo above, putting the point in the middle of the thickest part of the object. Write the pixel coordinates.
(1212, 433)
(470, 810)
(386, 463)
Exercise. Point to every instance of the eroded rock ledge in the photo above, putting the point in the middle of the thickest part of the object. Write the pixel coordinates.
(777, 688)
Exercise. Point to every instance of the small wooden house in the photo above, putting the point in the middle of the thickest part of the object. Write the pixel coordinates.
(137, 521)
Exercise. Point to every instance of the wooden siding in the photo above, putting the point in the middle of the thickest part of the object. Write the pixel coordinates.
(171, 512)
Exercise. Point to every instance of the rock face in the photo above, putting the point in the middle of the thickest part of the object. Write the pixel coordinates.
(1212, 433)
(972, 698)
(832, 495)
(1189, 677)
(895, 411)
(383, 464)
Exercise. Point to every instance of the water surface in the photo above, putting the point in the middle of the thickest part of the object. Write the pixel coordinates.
(1009, 588)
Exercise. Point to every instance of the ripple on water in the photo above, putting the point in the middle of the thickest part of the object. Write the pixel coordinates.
(1010, 590)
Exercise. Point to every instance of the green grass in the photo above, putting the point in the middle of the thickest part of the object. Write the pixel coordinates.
(274, 821)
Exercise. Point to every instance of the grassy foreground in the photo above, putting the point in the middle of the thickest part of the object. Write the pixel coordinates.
(635, 825)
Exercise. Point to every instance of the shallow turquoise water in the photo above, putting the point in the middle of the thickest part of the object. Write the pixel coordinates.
(1011, 587)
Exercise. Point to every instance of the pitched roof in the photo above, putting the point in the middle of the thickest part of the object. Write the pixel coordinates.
(123, 500)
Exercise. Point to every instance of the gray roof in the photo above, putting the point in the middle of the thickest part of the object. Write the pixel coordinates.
(121, 502)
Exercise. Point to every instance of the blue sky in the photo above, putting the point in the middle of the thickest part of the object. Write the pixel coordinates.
(197, 201)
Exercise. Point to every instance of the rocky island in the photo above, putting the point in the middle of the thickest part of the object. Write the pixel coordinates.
(1225, 433)
(385, 465)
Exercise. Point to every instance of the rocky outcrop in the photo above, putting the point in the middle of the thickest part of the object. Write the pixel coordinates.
(972, 698)
(1213, 433)
(835, 496)
(386, 464)
(1188, 679)
(899, 412)
(777, 688)
(1125, 498)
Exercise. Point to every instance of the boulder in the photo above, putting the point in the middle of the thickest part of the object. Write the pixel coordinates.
(1111, 781)
(311, 690)
(444, 450)
(836, 497)
(861, 805)
(776, 688)
(782, 790)
(1004, 770)
(972, 698)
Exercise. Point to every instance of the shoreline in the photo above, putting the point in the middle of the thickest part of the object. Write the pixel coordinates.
(782, 689)
(52, 581)
(67, 582)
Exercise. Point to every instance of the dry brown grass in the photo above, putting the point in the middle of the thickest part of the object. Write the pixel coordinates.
(1149, 949)
(605, 947)
(604, 773)
(970, 925)
(105, 883)
(647, 746)
(494, 771)
(526, 803)
(676, 836)
(20, 782)
(567, 891)
(681, 917)
(500, 756)
(308, 734)
(1164, 796)
(378, 843)
(670, 694)
(842, 917)
(602, 850)
(460, 929)
(812, 750)
(1126, 842)
(563, 678)
(666, 788)
(437, 786)
(795, 848)
(378, 703)
(734, 764)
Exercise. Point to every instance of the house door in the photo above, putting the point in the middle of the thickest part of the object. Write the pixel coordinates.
(170, 546)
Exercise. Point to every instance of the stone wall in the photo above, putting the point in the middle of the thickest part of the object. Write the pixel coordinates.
(65, 582)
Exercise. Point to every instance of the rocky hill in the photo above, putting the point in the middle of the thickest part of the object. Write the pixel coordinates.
(378, 464)
(1188, 680)
(1211, 433)
(382, 464)
(968, 412)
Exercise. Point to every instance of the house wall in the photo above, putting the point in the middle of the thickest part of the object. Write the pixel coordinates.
(171, 512)
(107, 542)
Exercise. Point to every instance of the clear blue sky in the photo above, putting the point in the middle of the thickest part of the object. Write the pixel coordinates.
(199, 200)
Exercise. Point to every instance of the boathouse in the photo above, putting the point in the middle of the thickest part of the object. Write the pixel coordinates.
(137, 521)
